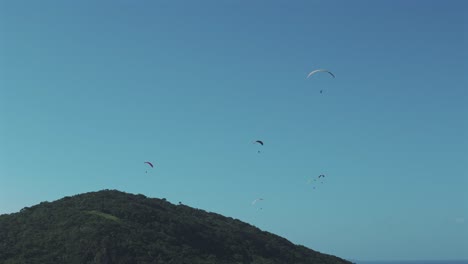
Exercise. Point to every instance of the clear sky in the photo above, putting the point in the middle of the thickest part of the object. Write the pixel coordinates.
(89, 90)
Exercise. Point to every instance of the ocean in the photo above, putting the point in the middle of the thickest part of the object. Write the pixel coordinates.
(415, 262)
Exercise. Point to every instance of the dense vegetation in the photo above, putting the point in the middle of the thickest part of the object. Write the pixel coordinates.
(115, 227)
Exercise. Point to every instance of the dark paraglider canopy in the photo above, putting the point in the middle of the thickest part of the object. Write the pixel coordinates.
(149, 163)
(259, 142)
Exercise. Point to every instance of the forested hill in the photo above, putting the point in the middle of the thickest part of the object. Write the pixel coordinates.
(115, 227)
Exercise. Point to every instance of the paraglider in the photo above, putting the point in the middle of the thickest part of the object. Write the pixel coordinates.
(255, 201)
(258, 142)
(320, 70)
(314, 180)
(149, 163)
(310, 180)
(321, 176)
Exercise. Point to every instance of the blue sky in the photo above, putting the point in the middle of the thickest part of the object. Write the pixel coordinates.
(89, 90)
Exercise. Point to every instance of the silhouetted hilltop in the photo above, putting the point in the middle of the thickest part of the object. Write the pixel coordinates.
(114, 227)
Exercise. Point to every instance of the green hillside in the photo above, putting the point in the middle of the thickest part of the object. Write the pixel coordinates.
(115, 227)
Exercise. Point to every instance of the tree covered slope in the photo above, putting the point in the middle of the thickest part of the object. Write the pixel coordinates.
(115, 227)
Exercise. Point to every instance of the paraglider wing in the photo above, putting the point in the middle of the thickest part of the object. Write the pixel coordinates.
(310, 180)
(256, 200)
(149, 163)
(259, 142)
(320, 70)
